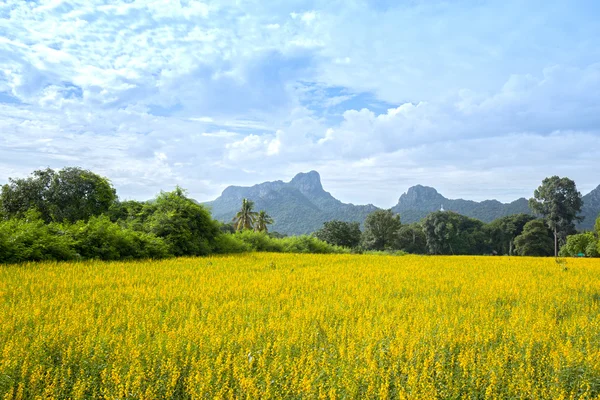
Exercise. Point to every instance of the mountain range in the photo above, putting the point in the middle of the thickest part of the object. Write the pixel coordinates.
(301, 206)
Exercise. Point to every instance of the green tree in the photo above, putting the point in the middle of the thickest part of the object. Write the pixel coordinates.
(69, 195)
(340, 233)
(503, 231)
(380, 230)
(262, 220)
(559, 202)
(535, 240)
(411, 239)
(583, 243)
(245, 218)
(447, 232)
(186, 227)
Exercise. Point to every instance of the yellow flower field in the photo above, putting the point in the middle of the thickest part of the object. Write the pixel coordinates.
(302, 326)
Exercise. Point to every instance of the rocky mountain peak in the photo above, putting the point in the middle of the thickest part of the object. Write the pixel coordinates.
(308, 183)
(420, 194)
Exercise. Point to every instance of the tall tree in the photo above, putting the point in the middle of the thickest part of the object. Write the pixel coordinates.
(381, 230)
(558, 200)
(71, 194)
(246, 217)
(340, 233)
(262, 220)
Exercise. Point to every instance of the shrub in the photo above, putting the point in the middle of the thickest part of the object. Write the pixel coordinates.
(29, 239)
(99, 238)
(260, 241)
(308, 244)
(228, 243)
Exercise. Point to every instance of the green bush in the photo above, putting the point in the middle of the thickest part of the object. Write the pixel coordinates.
(228, 243)
(99, 238)
(309, 244)
(29, 239)
(260, 241)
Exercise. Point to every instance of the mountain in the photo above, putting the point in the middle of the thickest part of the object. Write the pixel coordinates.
(302, 205)
(590, 209)
(419, 201)
(298, 207)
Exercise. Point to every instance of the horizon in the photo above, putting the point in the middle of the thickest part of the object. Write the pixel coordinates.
(479, 101)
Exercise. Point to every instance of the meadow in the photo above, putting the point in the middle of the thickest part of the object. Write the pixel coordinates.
(264, 325)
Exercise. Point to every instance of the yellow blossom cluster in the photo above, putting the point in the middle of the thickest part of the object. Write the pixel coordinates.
(260, 326)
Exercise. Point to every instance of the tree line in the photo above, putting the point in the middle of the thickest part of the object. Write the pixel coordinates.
(556, 204)
(75, 214)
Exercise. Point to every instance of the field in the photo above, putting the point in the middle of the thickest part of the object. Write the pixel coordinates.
(302, 326)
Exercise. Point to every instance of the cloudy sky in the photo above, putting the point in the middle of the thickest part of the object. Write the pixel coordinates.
(480, 99)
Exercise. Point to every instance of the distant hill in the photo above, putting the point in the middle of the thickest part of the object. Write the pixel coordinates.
(419, 201)
(298, 207)
(590, 209)
(302, 205)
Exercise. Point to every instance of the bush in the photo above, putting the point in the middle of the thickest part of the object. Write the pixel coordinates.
(29, 239)
(308, 244)
(229, 243)
(99, 238)
(260, 241)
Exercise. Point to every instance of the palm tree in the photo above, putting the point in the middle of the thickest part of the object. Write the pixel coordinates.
(245, 218)
(262, 221)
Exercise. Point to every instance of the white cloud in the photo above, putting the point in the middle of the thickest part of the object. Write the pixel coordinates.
(159, 93)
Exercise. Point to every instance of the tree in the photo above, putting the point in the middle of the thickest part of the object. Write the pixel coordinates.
(559, 202)
(340, 233)
(535, 240)
(411, 239)
(69, 195)
(503, 231)
(262, 220)
(245, 218)
(447, 232)
(186, 227)
(583, 243)
(381, 230)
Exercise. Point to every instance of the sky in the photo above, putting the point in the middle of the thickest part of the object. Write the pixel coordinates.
(479, 99)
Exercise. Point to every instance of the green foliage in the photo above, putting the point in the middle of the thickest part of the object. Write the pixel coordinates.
(246, 217)
(185, 226)
(582, 243)
(262, 220)
(535, 240)
(29, 239)
(503, 231)
(99, 238)
(340, 233)
(229, 243)
(308, 244)
(260, 241)
(411, 239)
(381, 230)
(447, 232)
(69, 195)
(559, 202)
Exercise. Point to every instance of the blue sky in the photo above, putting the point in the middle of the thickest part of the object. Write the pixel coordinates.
(480, 99)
